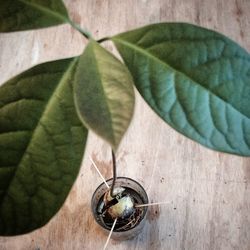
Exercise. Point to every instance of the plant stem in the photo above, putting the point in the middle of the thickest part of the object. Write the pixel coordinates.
(85, 33)
(114, 175)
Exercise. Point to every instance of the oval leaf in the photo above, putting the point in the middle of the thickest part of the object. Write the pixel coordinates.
(104, 93)
(16, 15)
(41, 145)
(195, 79)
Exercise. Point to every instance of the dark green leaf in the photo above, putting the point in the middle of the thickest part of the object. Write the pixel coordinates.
(16, 15)
(41, 145)
(104, 93)
(196, 79)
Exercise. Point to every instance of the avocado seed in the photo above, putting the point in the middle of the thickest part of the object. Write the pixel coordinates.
(124, 206)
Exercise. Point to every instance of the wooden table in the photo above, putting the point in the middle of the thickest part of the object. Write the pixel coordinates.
(208, 192)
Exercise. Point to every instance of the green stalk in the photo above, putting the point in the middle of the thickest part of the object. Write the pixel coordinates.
(85, 33)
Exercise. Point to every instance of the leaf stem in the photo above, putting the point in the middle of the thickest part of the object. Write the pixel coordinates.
(103, 39)
(114, 175)
(85, 33)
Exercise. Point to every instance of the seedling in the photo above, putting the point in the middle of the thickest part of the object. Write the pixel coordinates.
(195, 79)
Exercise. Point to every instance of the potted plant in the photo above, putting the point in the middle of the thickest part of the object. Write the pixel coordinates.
(195, 79)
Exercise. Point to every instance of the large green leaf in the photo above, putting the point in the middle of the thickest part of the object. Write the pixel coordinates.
(196, 79)
(104, 93)
(41, 145)
(18, 15)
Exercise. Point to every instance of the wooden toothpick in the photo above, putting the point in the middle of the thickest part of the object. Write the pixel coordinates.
(99, 172)
(110, 233)
(151, 204)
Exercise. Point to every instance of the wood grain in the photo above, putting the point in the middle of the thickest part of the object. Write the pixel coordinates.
(208, 192)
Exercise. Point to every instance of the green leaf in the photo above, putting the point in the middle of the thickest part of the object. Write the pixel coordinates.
(104, 94)
(195, 79)
(41, 145)
(16, 15)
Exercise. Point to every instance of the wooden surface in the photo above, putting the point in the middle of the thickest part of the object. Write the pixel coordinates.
(208, 192)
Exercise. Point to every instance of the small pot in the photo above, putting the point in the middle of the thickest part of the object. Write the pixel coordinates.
(135, 190)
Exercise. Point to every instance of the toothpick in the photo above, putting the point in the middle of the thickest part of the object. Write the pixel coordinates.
(99, 172)
(110, 233)
(152, 204)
